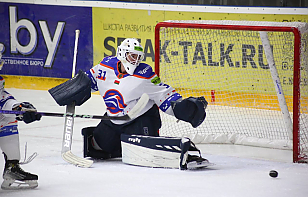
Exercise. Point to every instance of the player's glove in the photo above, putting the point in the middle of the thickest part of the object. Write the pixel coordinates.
(30, 114)
(191, 110)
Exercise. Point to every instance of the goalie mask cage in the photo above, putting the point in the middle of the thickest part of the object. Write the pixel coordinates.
(252, 73)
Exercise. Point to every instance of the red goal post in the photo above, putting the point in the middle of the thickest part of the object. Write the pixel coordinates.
(257, 86)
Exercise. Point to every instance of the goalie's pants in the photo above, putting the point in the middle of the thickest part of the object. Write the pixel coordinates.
(108, 135)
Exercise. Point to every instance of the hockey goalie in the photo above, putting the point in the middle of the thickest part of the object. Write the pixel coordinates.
(121, 80)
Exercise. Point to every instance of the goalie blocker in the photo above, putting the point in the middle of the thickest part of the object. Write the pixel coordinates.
(164, 152)
(77, 90)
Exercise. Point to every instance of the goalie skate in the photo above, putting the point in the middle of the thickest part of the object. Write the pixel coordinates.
(194, 161)
(15, 178)
(188, 161)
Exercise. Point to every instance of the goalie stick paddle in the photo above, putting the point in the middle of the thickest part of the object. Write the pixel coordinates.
(66, 152)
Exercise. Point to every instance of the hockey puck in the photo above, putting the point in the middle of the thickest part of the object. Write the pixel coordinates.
(273, 173)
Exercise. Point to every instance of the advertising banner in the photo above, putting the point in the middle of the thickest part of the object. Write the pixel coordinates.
(38, 40)
(113, 25)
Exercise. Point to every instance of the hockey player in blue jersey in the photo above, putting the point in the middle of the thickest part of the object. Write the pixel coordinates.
(13, 176)
(121, 80)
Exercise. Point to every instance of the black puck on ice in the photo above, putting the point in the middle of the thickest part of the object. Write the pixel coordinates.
(273, 173)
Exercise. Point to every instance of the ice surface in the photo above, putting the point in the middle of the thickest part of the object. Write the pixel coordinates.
(239, 171)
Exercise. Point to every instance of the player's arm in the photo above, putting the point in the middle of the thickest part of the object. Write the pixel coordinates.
(29, 115)
(190, 110)
(93, 74)
(96, 73)
(10, 103)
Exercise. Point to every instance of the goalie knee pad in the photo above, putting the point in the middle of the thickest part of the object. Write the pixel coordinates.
(191, 110)
(77, 89)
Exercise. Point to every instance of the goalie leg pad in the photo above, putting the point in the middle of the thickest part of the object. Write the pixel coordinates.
(185, 145)
(77, 89)
(163, 152)
(190, 110)
(149, 151)
(90, 151)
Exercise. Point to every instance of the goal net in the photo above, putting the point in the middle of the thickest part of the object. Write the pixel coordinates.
(253, 74)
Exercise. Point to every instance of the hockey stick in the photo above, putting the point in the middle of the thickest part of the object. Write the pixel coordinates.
(130, 115)
(51, 114)
(66, 152)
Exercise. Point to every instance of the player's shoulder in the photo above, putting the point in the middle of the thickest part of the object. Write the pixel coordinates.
(109, 61)
(5, 95)
(144, 71)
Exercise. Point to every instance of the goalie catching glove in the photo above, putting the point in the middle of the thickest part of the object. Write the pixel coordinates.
(30, 114)
(190, 110)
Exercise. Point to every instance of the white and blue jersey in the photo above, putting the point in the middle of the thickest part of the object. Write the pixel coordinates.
(122, 91)
(8, 122)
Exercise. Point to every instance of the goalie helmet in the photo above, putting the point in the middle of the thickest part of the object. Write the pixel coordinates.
(130, 53)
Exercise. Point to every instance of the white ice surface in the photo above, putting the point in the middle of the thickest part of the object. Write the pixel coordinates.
(239, 171)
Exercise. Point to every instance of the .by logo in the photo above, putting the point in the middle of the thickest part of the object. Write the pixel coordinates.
(51, 42)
